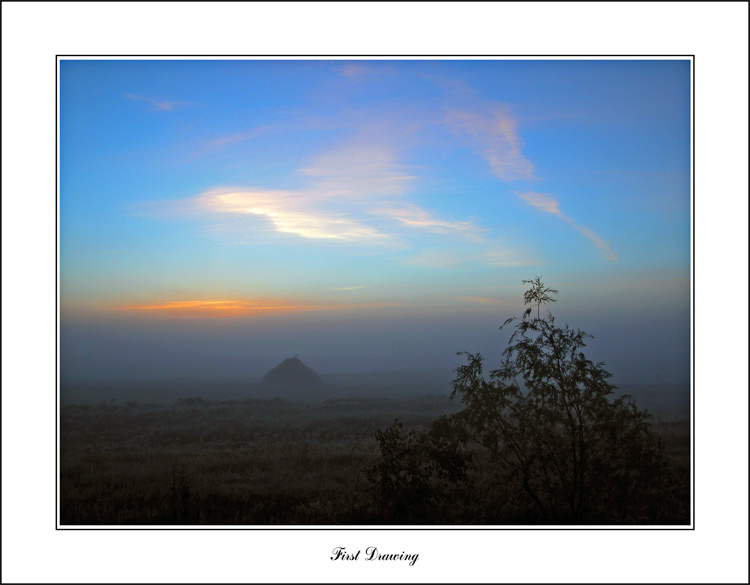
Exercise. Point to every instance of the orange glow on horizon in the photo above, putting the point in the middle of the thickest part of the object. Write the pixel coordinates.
(235, 308)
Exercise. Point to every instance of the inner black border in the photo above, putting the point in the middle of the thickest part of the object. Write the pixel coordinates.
(58, 57)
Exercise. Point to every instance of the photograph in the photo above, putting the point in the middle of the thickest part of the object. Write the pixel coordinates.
(375, 292)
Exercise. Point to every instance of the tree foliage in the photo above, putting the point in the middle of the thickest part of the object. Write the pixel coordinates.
(542, 438)
(548, 418)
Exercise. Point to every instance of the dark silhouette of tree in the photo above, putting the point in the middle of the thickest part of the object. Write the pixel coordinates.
(541, 438)
(538, 294)
(547, 418)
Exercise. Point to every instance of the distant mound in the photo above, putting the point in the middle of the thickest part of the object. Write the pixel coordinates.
(292, 372)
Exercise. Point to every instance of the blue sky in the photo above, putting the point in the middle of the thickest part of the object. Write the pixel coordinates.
(283, 195)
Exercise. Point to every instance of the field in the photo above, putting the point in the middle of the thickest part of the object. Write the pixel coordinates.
(274, 461)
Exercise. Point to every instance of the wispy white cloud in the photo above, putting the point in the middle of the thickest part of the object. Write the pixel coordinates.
(498, 254)
(541, 201)
(337, 205)
(359, 191)
(352, 190)
(549, 204)
(416, 217)
(359, 170)
(342, 182)
(604, 248)
(493, 131)
(231, 139)
(163, 106)
(290, 212)
(358, 69)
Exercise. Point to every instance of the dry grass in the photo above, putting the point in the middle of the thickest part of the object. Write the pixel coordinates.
(252, 462)
(262, 463)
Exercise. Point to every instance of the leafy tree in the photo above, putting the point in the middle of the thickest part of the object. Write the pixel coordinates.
(549, 421)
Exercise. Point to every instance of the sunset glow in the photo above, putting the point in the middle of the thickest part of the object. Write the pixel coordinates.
(231, 308)
(234, 308)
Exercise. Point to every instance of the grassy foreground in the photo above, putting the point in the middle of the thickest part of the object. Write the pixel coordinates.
(271, 462)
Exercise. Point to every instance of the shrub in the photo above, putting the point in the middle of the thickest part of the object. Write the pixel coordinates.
(419, 473)
(548, 419)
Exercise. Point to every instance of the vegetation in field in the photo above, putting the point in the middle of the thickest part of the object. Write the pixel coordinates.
(227, 462)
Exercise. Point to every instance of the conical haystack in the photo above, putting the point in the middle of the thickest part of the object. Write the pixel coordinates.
(292, 372)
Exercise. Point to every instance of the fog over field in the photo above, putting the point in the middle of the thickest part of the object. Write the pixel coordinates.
(409, 343)
(387, 354)
(165, 361)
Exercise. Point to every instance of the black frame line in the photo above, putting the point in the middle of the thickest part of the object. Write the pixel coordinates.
(58, 526)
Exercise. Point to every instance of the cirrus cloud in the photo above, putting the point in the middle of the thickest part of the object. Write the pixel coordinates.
(162, 106)
(289, 212)
(416, 217)
(549, 204)
(493, 131)
(337, 206)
